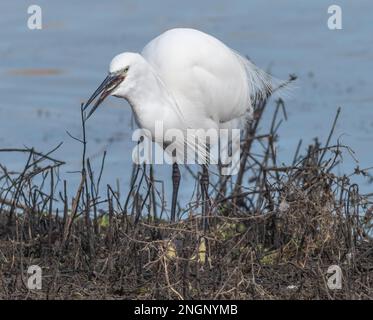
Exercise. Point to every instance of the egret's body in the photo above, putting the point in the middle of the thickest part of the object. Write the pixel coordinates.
(206, 78)
(185, 79)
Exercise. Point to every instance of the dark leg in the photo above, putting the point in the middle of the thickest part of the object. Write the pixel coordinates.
(205, 196)
(175, 189)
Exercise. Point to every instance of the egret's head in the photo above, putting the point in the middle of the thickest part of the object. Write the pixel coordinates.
(118, 82)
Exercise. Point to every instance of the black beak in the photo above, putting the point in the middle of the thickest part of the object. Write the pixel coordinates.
(105, 88)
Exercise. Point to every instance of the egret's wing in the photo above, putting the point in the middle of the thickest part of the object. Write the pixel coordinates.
(208, 80)
(204, 76)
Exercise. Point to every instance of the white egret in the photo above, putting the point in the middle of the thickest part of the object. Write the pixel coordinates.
(186, 79)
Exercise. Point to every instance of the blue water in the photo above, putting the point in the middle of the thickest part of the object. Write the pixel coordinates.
(79, 38)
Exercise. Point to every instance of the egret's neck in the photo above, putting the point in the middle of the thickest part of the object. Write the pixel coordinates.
(150, 99)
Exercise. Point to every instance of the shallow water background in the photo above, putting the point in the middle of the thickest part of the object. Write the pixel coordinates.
(45, 74)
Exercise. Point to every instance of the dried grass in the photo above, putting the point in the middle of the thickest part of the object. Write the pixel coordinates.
(273, 232)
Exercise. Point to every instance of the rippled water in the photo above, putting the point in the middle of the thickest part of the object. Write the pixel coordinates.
(45, 74)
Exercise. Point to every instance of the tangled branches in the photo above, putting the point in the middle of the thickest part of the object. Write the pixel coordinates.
(273, 230)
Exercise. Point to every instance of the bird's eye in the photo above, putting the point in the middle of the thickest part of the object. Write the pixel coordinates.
(126, 69)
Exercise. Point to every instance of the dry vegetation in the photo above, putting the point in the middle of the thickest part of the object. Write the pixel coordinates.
(273, 230)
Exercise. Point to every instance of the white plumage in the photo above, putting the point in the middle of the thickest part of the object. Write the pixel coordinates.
(189, 79)
(185, 79)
